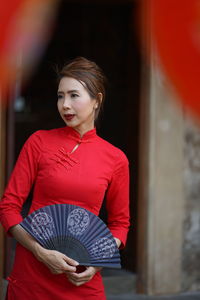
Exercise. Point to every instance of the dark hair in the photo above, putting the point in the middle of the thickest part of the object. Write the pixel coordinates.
(89, 73)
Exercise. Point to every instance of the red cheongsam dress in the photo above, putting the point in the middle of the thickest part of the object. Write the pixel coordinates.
(60, 175)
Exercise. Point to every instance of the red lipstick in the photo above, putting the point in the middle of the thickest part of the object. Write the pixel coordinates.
(69, 117)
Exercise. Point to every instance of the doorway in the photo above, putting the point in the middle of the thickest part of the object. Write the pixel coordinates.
(103, 32)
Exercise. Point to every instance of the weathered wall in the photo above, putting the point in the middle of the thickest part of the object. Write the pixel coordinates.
(170, 185)
(161, 189)
(191, 242)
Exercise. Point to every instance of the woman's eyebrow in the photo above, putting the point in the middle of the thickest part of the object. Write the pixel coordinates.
(72, 91)
(69, 92)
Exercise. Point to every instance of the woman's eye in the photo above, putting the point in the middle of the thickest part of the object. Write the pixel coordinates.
(74, 95)
(60, 96)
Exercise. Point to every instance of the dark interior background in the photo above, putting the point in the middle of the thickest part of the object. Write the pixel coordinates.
(106, 33)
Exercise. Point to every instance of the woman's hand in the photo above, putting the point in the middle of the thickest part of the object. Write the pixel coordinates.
(57, 262)
(83, 277)
(118, 242)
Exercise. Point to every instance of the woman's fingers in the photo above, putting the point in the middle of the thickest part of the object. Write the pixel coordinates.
(77, 283)
(81, 278)
(57, 262)
(70, 261)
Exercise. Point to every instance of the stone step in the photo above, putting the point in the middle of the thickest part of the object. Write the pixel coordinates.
(119, 282)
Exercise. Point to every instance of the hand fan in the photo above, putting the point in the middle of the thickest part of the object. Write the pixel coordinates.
(76, 232)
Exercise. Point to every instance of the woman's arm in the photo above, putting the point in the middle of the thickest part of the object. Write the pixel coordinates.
(20, 182)
(117, 201)
(57, 262)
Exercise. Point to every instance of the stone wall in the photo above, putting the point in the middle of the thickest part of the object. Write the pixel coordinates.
(191, 238)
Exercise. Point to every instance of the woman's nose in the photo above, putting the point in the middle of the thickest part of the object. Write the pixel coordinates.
(66, 104)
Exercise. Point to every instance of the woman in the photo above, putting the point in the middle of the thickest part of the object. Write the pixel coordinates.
(66, 165)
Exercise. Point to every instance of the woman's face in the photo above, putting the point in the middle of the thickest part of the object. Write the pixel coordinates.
(75, 105)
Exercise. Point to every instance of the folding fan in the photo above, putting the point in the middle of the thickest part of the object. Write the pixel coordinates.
(76, 232)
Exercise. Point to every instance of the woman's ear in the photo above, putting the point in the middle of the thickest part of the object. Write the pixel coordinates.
(100, 98)
(98, 101)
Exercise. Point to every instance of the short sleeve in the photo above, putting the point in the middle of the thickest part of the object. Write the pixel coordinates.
(20, 182)
(117, 201)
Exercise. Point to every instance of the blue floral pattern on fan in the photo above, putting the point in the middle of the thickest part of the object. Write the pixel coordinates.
(42, 225)
(103, 248)
(78, 220)
(76, 232)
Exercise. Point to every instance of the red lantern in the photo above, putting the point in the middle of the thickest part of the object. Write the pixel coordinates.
(24, 30)
(176, 32)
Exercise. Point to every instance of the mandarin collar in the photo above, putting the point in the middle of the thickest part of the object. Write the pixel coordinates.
(87, 137)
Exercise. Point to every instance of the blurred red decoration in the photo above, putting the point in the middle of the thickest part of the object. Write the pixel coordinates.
(176, 32)
(25, 28)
